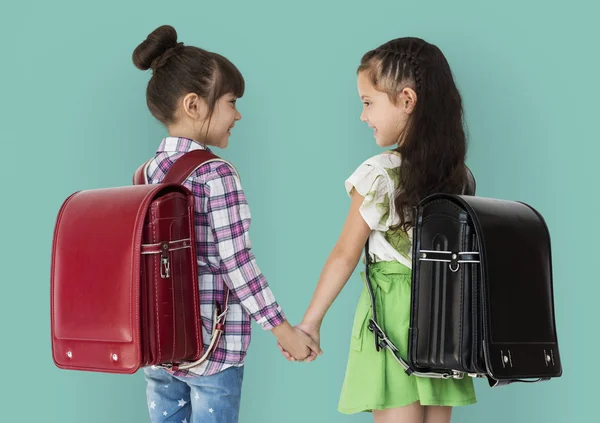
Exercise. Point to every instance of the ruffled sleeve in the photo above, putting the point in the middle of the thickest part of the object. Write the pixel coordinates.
(373, 183)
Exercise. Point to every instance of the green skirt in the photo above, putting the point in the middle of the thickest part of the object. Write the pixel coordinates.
(375, 380)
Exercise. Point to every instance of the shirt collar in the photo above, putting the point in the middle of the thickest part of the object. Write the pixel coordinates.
(179, 145)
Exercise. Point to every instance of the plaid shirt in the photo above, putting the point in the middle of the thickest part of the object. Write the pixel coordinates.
(222, 221)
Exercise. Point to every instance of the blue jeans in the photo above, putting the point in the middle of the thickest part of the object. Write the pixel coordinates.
(194, 399)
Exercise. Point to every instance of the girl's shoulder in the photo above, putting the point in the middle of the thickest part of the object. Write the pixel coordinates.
(388, 160)
(384, 165)
(215, 169)
(376, 174)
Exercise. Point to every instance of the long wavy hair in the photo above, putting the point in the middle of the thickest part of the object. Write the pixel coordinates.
(433, 145)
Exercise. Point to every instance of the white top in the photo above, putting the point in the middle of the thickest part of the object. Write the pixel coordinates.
(377, 179)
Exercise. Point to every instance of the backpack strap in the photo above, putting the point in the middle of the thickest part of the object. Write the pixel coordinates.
(179, 171)
(139, 177)
(382, 342)
(185, 165)
(470, 186)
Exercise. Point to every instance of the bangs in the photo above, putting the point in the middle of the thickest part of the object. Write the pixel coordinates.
(228, 79)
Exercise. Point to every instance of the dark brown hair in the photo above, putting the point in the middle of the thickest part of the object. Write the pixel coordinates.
(433, 146)
(178, 70)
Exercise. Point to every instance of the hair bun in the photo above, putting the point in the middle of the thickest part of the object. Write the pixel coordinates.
(154, 46)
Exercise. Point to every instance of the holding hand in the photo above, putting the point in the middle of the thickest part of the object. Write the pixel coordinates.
(298, 346)
(310, 331)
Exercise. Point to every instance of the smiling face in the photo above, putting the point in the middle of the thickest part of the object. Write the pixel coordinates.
(388, 119)
(194, 120)
(223, 120)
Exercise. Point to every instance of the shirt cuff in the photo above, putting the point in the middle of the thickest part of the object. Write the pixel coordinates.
(270, 317)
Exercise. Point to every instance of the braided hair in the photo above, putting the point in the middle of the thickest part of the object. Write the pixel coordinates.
(433, 145)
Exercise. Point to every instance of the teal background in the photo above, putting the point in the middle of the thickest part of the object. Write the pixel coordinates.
(73, 115)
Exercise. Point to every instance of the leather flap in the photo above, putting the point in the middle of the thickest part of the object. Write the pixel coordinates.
(95, 277)
(516, 268)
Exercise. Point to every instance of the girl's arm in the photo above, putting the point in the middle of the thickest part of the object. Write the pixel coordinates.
(339, 267)
(228, 214)
(229, 218)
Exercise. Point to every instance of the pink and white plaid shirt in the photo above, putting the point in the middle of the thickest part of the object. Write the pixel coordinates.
(222, 220)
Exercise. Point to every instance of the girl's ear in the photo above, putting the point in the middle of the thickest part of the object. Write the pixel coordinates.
(194, 106)
(408, 100)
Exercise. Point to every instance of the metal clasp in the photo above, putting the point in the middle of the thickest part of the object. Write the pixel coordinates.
(165, 265)
(454, 264)
(454, 259)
